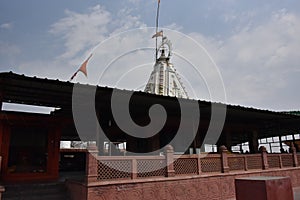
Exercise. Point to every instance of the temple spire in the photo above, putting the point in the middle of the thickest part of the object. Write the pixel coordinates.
(164, 80)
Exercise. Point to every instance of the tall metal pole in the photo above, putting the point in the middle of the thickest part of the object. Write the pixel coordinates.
(157, 16)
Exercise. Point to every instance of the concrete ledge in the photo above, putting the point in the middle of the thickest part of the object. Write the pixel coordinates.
(191, 177)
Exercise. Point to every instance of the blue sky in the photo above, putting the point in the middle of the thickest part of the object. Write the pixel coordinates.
(255, 44)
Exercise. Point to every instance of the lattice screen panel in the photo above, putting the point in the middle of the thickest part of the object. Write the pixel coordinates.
(273, 161)
(236, 163)
(150, 168)
(186, 166)
(114, 169)
(210, 164)
(254, 162)
(287, 160)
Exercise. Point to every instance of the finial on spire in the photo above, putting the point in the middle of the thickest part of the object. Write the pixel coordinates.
(156, 32)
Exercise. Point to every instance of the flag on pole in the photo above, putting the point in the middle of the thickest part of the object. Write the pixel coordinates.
(82, 68)
(158, 34)
(84, 65)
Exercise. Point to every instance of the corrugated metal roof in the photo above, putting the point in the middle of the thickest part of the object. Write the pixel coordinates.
(54, 93)
(20, 88)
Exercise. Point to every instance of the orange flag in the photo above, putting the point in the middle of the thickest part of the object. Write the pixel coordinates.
(158, 34)
(82, 68)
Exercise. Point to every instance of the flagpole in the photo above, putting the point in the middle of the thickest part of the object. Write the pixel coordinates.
(74, 75)
(157, 15)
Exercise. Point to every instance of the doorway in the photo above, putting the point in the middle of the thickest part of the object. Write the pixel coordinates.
(31, 153)
(28, 150)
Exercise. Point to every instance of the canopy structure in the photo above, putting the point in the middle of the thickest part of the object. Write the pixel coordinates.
(241, 125)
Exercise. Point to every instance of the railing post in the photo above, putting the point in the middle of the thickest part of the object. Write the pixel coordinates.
(134, 172)
(295, 159)
(264, 156)
(245, 163)
(224, 159)
(280, 161)
(169, 152)
(199, 164)
(91, 163)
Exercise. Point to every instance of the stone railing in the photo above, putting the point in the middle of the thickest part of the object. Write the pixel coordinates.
(114, 168)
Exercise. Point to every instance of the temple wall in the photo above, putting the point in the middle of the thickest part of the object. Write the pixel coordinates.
(78, 191)
(218, 186)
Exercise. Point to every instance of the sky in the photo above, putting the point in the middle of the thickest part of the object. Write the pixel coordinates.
(251, 46)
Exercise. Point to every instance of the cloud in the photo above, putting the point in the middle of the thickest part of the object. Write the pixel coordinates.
(80, 32)
(46, 69)
(6, 26)
(8, 53)
(258, 63)
(125, 21)
(7, 49)
(134, 1)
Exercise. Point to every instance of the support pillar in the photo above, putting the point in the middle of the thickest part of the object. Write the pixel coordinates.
(202, 149)
(241, 148)
(154, 143)
(195, 133)
(294, 140)
(228, 140)
(281, 146)
(270, 145)
(100, 138)
(253, 142)
(1, 139)
(131, 145)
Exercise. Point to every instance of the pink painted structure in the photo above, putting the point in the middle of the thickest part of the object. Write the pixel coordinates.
(200, 176)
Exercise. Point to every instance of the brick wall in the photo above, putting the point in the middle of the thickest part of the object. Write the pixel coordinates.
(185, 177)
(219, 186)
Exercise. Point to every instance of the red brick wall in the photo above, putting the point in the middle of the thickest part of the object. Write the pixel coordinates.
(77, 190)
(220, 186)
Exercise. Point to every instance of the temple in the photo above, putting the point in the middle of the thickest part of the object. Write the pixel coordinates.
(30, 144)
(164, 80)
